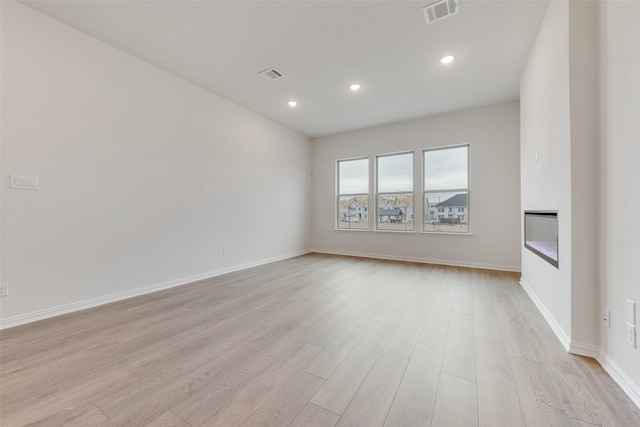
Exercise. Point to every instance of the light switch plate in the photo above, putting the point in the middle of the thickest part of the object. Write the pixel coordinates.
(630, 312)
(24, 182)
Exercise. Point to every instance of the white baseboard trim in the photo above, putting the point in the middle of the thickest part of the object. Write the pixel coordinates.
(420, 260)
(583, 349)
(22, 319)
(555, 326)
(627, 385)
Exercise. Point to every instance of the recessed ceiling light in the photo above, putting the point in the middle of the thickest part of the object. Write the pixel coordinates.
(354, 87)
(292, 103)
(447, 59)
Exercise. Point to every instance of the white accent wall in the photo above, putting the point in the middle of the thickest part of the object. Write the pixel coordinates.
(559, 167)
(619, 198)
(144, 178)
(493, 136)
(580, 104)
(546, 182)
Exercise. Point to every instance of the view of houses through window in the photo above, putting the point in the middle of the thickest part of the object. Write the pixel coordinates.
(446, 190)
(395, 192)
(445, 194)
(353, 194)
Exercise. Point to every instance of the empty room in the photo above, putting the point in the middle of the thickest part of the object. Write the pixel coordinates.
(319, 213)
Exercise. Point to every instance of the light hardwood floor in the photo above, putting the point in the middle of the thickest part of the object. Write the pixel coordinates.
(312, 341)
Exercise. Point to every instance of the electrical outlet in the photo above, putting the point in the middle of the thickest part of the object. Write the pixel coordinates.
(631, 335)
(606, 317)
(4, 289)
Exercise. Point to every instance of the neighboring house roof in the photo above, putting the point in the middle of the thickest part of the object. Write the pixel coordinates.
(389, 212)
(457, 200)
(360, 202)
(345, 203)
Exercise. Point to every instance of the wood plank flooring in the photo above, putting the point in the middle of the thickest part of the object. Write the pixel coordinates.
(316, 340)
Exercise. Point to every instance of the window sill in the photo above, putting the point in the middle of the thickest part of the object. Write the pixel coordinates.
(439, 233)
(447, 233)
(396, 231)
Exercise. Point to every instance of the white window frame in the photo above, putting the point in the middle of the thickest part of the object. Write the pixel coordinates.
(467, 190)
(377, 193)
(339, 195)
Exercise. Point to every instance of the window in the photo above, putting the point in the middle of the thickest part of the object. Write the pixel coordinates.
(394, 196)
(353, 194)
(446, 186)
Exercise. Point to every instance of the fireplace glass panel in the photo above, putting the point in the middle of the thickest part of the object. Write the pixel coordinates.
(541, 234)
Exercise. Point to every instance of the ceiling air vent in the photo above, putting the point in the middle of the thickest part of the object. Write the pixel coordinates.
(270, 74)
(440, 10)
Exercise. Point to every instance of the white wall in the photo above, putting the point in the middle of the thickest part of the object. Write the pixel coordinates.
(493, 135)
(546, 183)
(620, 183)
(559, 97)
(144, 178)
(580, 103)
(583, 54)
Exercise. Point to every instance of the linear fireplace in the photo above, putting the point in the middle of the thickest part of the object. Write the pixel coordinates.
(541, 234)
